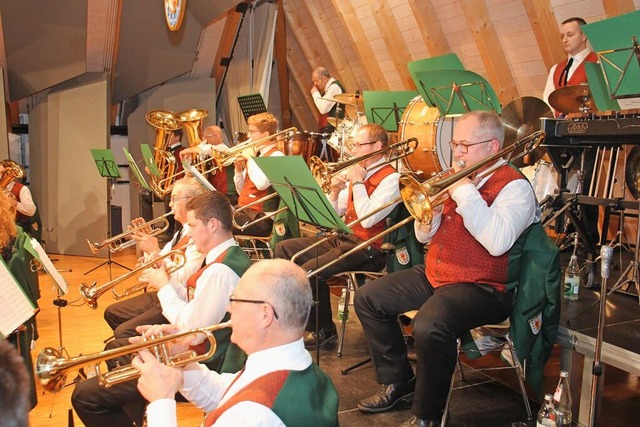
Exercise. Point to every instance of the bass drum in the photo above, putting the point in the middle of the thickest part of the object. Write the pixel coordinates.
(345, 131)
(300, 144)
(433, 153)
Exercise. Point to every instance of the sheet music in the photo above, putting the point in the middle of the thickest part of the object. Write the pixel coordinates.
(198, 176)
(15, 306)
(49, 267)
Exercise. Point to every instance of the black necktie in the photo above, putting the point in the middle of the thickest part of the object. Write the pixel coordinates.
(564, 76)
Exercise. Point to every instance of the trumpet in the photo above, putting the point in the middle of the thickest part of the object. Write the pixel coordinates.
(52, 368)
(90, 294)
(12, 171)
(114, 243)
(323, 172)
(268, 215)
(223, 159)
(421, 198)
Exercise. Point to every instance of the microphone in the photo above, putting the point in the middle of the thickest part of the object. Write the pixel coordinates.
(606, 253)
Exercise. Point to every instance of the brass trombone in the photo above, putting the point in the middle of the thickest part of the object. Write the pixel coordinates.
(323, 172)
(52, 368)
(90, 294)
(226, 158)
(420, 200)
(114, 243)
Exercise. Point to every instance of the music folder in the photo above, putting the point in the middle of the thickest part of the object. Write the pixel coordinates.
(15, 307)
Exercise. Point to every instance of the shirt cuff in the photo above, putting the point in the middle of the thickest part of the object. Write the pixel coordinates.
(161, 412)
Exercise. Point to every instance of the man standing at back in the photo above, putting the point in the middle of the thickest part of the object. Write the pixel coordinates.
(570, 71)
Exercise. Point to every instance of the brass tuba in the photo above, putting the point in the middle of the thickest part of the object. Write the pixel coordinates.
(165, 122)
(12, 171)
(52, 367)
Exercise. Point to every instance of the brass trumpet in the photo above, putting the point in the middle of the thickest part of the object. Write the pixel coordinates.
(52, 368)
(323, 172)
(114, 243)
(90, 294)
(421, 198)
(12, 171)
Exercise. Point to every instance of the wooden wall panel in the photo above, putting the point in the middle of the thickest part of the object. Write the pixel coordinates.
(617, 7)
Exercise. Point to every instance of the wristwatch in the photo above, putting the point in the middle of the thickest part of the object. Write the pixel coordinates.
(357, 182)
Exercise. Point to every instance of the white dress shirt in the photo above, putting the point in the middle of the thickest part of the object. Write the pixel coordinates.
(331, 91)
(550, 86)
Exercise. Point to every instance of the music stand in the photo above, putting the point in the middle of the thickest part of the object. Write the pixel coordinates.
(108, 168)
(386, 108)
(438, 63)
(251, 105)
(306, 201)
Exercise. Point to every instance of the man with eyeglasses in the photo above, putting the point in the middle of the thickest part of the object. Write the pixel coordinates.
(222, 180)
(251, 183)
(467, 282)
(279, 385)
(201, 302)
(365, 188)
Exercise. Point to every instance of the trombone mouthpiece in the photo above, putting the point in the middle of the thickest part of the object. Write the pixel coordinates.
(461, 163)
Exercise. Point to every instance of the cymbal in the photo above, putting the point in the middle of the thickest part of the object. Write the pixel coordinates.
(333, 121)
(521, 117)
(572, 99)
(355, 100)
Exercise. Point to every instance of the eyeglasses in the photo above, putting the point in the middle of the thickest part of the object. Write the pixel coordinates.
(254, 301)
(175, 199)
(464, 148)
(354, 145)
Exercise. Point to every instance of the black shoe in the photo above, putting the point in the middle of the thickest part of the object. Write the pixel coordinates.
(388, 396)
(325, 337)
(415, 421)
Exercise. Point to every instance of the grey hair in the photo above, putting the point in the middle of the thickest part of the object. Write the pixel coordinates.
(322, 72)
(287, 289)
(191, 186)
(490, 125)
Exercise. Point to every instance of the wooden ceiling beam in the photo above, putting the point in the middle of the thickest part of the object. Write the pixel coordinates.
(283, 71)
(545, 29)
(613, 8)
(351, 23)
(342, 67)
(226, 44)
(491, 52)
(297, 28)
(392, 36)
(301, 79)
(430, 27)
(304, 116)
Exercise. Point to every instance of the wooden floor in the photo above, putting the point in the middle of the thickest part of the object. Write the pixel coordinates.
(83, 331)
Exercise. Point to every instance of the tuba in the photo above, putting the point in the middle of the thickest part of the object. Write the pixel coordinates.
(12, 171)
(165, 122)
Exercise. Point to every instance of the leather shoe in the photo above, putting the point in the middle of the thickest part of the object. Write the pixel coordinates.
(388, 396)
(325, 336)
(415, 421)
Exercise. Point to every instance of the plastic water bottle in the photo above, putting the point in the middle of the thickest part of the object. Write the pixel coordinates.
(562, 400)
(341, 302)
(571, 284)
(547, 414)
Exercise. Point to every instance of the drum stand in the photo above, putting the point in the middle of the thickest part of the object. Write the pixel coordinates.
(631, 274)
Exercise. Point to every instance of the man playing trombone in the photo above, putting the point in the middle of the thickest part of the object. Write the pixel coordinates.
(367, 187)
(468, 280)
(279, 385)
(145, 309)
(251, 183)
(204, 302)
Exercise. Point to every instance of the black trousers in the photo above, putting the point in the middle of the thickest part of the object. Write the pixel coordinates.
(444, 314)
(368, 259)
(260, 229)
(124, 316)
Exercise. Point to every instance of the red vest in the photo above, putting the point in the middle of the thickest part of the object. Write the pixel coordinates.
(370, 185)
(455, 256)
(17, 187)
(322, 118)
(191, 281)
(250, 189)
(220, 180)
(579, 76)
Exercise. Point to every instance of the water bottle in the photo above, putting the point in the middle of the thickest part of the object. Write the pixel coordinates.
(562, 400)
(341, 303)
(571, 284)
(546, 414)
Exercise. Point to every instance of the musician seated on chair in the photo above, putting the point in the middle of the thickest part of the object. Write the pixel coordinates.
(145, 309)
(365, 188)
(222, 180)
(204, 302)
(323, 91)
(279, 385)
(26, 212)
(251, 183)
(471, 270)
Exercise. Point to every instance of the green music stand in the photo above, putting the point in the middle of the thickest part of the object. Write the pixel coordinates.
(386, 108)
(599, 88)
(438, 63)
(136, 171)
(615, 40)
(149, 160)
(251, 105)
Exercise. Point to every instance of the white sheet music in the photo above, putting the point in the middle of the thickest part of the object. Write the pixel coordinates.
(49, 267)
(15, 306)
(198, 176)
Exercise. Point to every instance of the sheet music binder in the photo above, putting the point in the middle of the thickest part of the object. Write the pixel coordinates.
(15, 307)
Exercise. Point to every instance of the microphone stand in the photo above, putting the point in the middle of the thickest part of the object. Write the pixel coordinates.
(598, 368)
